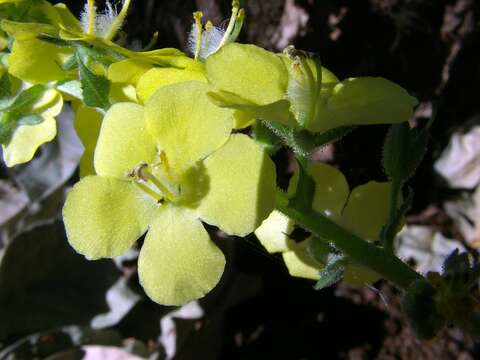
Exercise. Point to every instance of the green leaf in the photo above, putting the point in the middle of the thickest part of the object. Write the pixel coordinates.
(54, 40)
(459, 271)
(25, 99)
(303, 142)
(5, 86)
(71, 87)
(420, 309)
(332, 135)
(332, 272)
(302, 200)
(104, 56)
(44, 283)
(320, 250)
(11, 117)
(403, 151)
(456, 262)
(7, 127)
(59, 341)
(266, 137)
(30, 119)
(390, 229)
(54, 165)
(96, 88)
(70, 64)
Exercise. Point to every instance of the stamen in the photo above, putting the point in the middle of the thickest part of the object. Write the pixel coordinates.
(197, 16)
(152, 42)
(92, 14)
(231, 24)
(208, 25)
(155, 181)
(238, 26)
(117, 23)
(157, 196)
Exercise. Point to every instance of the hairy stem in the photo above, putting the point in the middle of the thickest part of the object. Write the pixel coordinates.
(362, 252)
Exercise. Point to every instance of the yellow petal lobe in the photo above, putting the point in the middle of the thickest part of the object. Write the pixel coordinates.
(274, 231)
(300, 263)
(248, 71)
(178, 262)
(155, 78)
(367, 209)
(104, 216)
(241, 187)
(331, 190)
(185, 124)
(37, 61)
(124, 142)
(87, 124)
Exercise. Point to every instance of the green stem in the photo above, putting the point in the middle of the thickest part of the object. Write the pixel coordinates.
(301, 142)
(362, 252)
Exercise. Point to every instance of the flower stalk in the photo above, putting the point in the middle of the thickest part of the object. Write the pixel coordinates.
(362, 252)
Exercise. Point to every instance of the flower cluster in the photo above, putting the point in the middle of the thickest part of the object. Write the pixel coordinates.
(163, 154)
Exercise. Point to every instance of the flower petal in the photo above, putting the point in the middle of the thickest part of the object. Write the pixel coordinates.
(178, 262)
(127, 71)
(248, 71)
(274, 231)
(87, 124)
(331, 189)
(167, 57)
(155, 78)
(27, 139)
(68, 20)
(242, 187)
(242, 120)
(104, 216)
(122, 92)
(123, 142)
(362, 101)
(300, 263)
(37, 61)
(277, 111)
(367, 209)
(185, 124)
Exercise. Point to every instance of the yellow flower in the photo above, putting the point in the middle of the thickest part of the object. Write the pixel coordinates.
(162, 169)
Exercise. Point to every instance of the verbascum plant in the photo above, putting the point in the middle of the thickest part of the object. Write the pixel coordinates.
(164, 155)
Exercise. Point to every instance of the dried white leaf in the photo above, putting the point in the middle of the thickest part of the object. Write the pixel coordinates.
(459, 163)
(426, 246)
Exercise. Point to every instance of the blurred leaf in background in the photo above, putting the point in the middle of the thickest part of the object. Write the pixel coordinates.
(44, 283)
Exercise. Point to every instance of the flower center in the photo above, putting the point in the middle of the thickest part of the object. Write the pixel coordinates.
(156, 181)
(162, 183)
